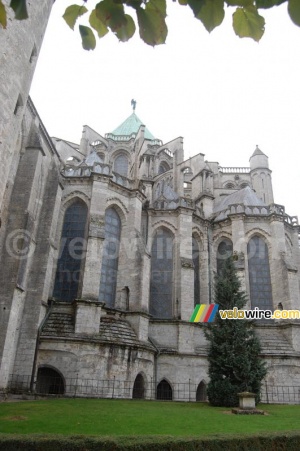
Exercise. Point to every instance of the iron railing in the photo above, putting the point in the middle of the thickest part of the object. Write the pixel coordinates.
(47, 385)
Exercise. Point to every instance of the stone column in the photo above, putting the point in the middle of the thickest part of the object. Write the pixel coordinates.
(131, 256)
(240, 248)
(204, 272)
(92, 270)
(185, 270)
(88, 315)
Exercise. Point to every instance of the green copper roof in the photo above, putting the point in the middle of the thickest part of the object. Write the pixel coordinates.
(131, 126)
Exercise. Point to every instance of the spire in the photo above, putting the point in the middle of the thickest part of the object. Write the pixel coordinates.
(257, 152)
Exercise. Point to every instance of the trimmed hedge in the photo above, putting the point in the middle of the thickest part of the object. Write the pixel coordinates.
(289, 441)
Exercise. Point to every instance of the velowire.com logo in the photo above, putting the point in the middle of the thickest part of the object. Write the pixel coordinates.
(204, 313)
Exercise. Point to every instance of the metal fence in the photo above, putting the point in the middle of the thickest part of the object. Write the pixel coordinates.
(276, 394)
(48, 385)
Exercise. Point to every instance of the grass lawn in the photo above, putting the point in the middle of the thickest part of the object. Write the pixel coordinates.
(123, 417)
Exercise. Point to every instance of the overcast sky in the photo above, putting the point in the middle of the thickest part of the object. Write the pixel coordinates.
(223, 94)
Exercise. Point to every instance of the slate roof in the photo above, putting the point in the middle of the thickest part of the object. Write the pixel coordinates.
(245, 196)
(258, 152)
(111, 330)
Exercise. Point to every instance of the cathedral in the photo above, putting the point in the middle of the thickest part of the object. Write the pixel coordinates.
(107, 246)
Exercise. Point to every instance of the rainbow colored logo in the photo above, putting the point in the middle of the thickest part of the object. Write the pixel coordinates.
(204, 313)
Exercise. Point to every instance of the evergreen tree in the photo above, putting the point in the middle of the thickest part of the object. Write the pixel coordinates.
(234, 362)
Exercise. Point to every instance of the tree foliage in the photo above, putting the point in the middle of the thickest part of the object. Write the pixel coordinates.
(234, 362)
(150, 17)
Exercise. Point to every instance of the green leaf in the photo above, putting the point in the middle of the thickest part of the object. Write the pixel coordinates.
(3, 20)
(97, 24)
(151, 20)
(126, 32)
(72, 13)
(211, 14)
(294, 11)
(88, 37)
(243, 3)
(247, 23)
(111, 14)
(265, 4)
(20, 9)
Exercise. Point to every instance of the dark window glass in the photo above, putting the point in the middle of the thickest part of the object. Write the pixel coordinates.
(196, 262)
(161, 283)
(259, 274)
(163, 167)
(224, 252)
(121, 165)
(72, 252)
(109, 270)
(164, 391)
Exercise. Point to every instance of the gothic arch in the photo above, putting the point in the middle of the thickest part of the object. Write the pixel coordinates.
(244, 184)
(163, 167)
(263, 234)
(71, 197)
(165, 224)
(139, 387)
(229, 185)
(201, 395)
(164, 390)
(120, 207)
(220, 236)
(223, 251)
(198, 235)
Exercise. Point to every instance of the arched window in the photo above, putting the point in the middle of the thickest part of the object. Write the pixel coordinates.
(229, 185)
(71, 254)
(138, 391)
(49, 382)
(259, 274)
(196, 262)
(224, 252)
(161, 282)
(121, 165)
(110, 258)
(163, 167)
(201, 392)
(164, 391)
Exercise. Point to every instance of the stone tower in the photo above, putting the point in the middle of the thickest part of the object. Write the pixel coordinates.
(261, 176)
(21, 153)
(20, 45)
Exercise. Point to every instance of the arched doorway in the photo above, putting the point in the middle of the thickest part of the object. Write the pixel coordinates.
(201, 392)
(49, 382)
(164, 391)
(138, 391)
